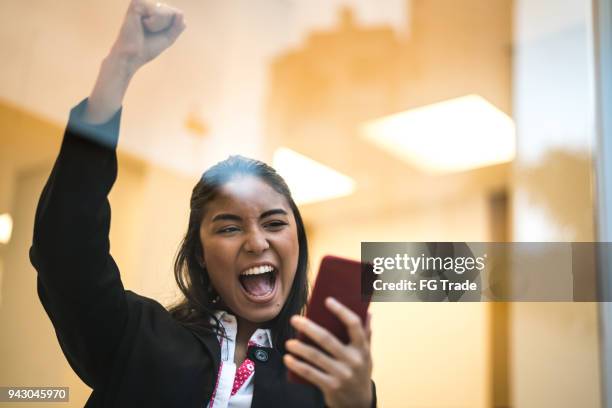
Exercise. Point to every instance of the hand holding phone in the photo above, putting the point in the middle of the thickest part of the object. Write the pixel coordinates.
(332, 351)
(340, 279)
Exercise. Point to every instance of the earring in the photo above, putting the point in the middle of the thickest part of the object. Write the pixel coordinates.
(213, 295)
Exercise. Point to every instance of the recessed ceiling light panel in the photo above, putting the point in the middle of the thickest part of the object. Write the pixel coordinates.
(454, 135)
(309, 180)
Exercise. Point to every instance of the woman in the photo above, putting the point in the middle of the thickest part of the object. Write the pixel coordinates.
(242, 269)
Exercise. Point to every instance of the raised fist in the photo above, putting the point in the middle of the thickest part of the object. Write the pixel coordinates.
(148, 29)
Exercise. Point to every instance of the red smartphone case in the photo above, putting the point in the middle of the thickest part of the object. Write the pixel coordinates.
(342, 279)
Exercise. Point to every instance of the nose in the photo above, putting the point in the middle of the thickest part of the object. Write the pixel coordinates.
(256, 241)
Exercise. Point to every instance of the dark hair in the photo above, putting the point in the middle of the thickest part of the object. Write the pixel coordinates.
(197, 308)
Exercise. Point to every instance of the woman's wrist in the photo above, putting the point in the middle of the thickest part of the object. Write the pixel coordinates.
(124, 61)
(121, 63)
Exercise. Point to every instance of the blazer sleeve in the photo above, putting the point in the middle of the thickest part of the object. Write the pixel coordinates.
(78, 281)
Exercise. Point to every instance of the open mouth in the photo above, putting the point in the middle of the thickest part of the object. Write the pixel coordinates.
(259, 282)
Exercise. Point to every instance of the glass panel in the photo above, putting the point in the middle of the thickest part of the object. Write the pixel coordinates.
(391, 120)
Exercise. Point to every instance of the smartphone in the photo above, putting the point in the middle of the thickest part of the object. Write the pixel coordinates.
(342, 279)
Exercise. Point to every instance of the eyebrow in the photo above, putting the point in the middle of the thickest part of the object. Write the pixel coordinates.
(233, 217)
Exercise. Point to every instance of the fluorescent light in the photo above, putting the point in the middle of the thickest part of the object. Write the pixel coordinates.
(310, 180)
(6, 228)
(454, 135)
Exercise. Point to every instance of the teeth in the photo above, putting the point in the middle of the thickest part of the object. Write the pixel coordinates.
(257, 270)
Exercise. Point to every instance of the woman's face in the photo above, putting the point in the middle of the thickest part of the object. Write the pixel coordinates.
(250, 244)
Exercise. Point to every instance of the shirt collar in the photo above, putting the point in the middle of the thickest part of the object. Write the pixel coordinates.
(261, 337)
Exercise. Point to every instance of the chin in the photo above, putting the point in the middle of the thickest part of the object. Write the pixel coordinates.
(261, 316)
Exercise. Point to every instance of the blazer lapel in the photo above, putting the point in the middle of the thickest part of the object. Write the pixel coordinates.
(211, 346)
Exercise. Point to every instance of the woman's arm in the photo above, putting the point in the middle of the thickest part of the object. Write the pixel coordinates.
(78, 281)
(147, 30)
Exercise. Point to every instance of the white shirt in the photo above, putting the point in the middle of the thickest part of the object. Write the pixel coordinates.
(230, 378)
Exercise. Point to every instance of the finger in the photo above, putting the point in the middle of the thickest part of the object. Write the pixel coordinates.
(368, 327)
(159, 17)
(152, 7)
(350, 319)
(310, 373)
(178, 26)
(135, 12)
(139, 7)
(322, 337)
(316, 357)
(166, 38)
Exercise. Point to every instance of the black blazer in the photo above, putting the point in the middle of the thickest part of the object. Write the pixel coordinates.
(126, 347)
